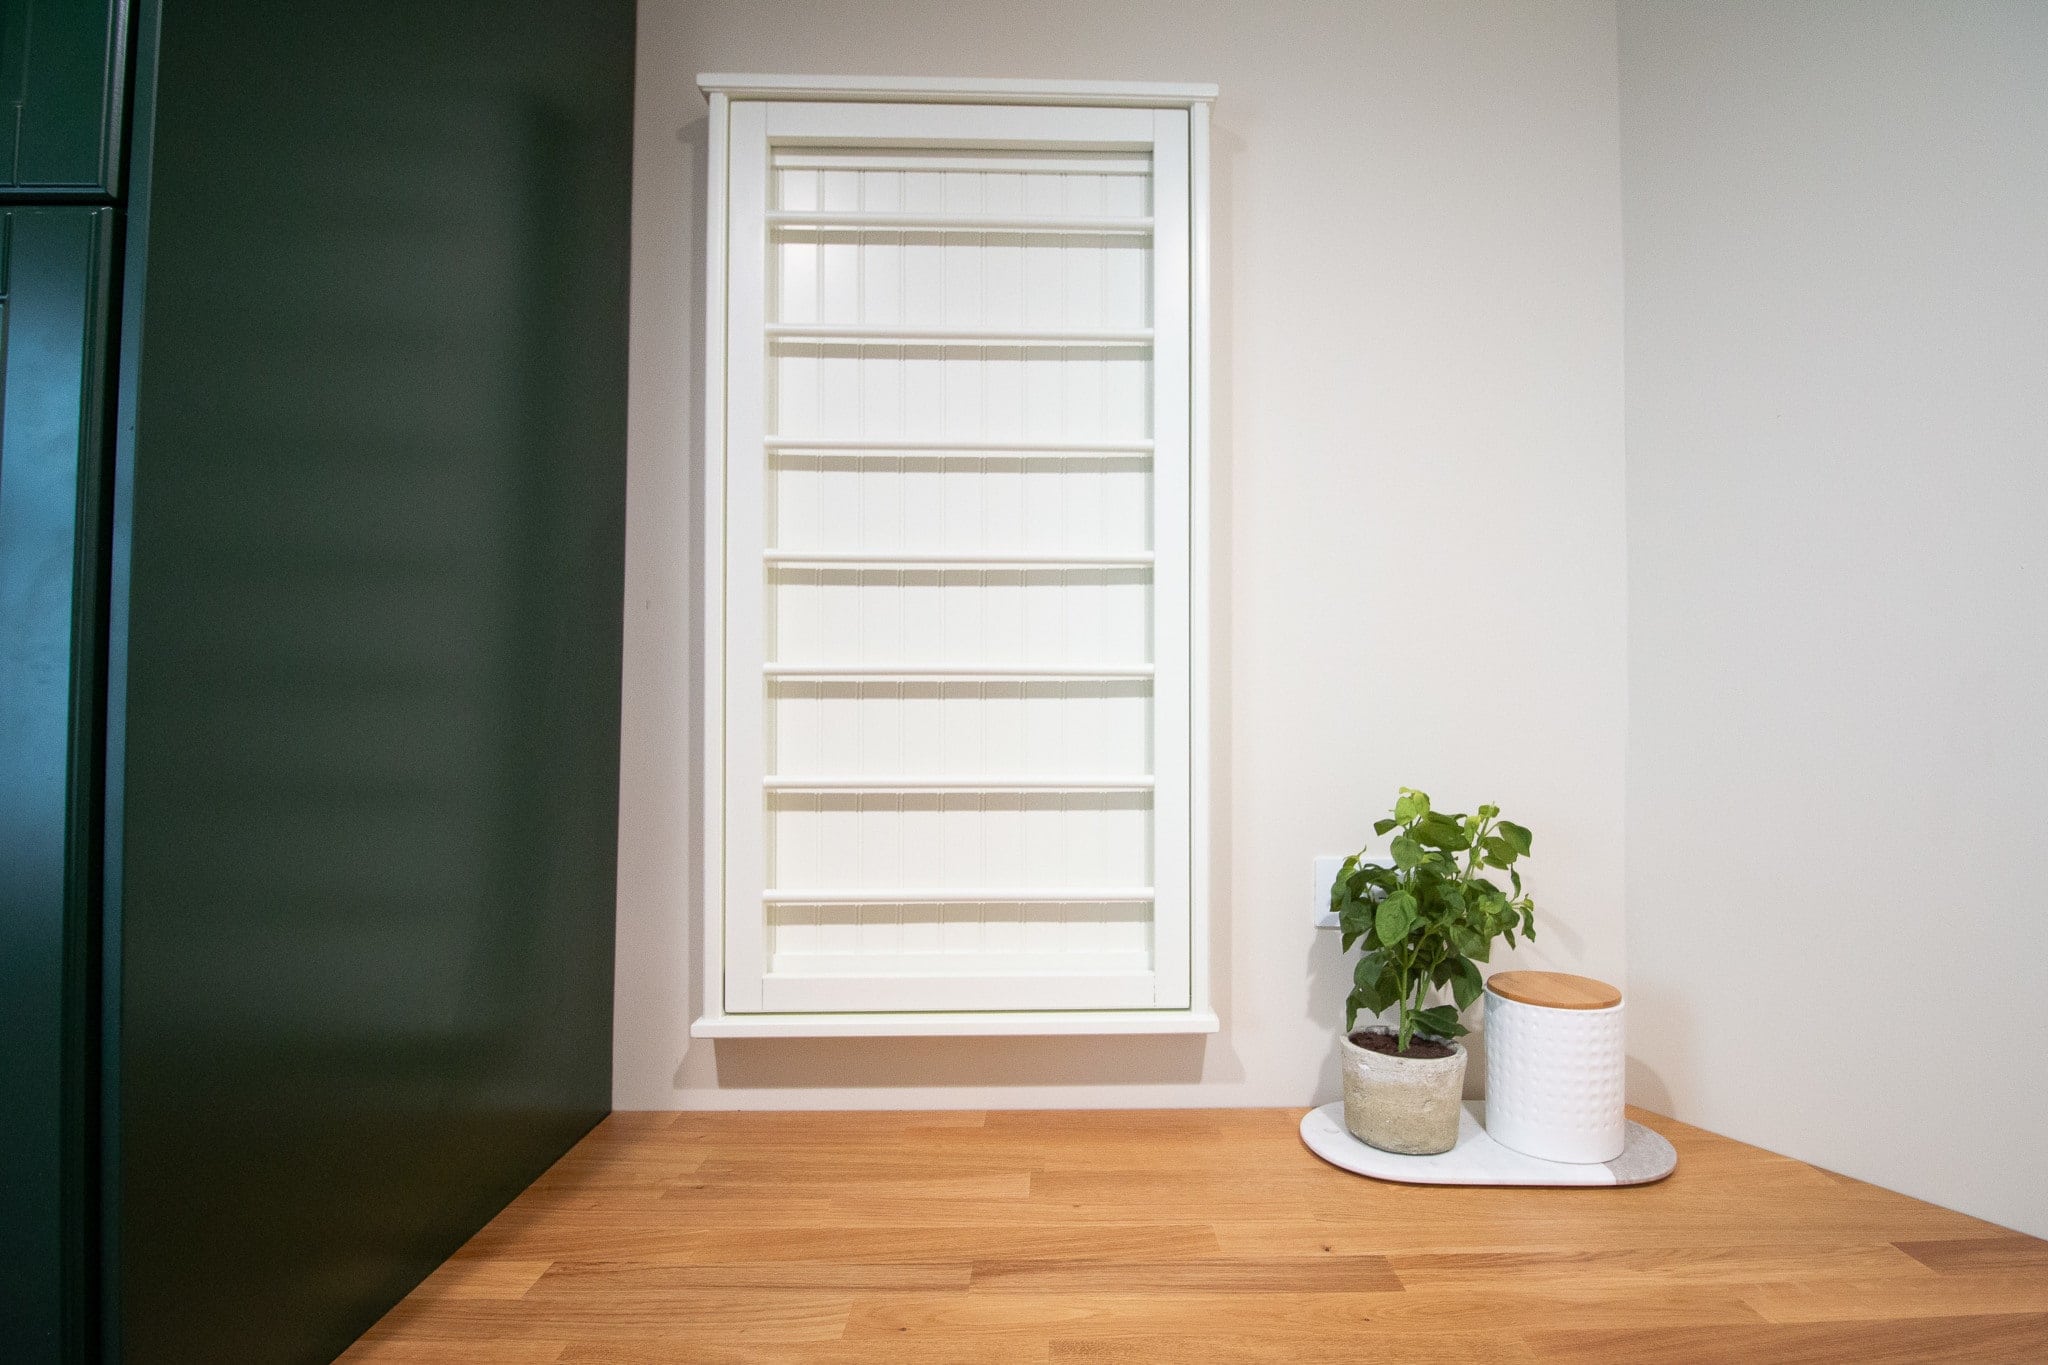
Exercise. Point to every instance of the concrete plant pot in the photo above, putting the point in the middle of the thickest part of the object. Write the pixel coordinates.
(1408, 1105)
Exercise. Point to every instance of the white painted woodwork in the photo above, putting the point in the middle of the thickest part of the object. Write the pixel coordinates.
(943, 90)
(958, 446)
(994, 1023)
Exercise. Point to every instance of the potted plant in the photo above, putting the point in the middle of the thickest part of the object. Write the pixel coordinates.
(1424, 920)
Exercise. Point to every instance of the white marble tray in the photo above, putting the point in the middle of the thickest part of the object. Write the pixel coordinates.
(1479, 1160)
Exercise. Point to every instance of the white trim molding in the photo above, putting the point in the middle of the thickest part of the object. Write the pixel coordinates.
(958, 90)
(956, 643)
(1006, 1024)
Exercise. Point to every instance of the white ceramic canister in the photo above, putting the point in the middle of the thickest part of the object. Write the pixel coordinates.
(1556, 1061)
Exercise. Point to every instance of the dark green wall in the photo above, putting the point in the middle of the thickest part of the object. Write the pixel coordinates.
(366, 767)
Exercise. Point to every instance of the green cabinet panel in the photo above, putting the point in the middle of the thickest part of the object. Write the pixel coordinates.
(62, 79)
(53, 310)
(368, 749)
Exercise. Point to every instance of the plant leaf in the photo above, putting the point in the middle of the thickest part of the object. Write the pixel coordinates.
(1355, 918)
(1425, 916)
(1441, 1020)
(1466, 984)
(1441, 831)
(1393, 918)
(1370, 875)
(1373, 984)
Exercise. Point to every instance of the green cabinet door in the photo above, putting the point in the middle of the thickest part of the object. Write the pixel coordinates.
(53, 308)
(62, 80)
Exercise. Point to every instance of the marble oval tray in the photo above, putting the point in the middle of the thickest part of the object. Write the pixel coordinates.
(1479, 1160)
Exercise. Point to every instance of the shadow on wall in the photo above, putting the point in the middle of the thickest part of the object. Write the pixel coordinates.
(1668, 1018)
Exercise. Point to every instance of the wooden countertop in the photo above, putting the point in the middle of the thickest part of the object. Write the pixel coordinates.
(1187, 1236)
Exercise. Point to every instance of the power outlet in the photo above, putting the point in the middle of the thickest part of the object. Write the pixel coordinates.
(1325, 876)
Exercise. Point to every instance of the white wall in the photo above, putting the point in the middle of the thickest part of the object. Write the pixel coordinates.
(1837, 230)
(1420, 525)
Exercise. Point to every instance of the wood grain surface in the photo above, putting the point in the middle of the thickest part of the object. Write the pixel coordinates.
(1173, 1236)
(1554, 990)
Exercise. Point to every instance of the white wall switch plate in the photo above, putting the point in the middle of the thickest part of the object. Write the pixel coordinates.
(1326, 874)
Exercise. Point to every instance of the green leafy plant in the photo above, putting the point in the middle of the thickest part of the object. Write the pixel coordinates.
(1428, 918)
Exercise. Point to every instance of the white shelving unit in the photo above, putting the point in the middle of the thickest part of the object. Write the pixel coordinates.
(955, 554)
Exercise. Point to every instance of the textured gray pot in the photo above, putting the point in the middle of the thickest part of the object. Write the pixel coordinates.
(1408, 1105)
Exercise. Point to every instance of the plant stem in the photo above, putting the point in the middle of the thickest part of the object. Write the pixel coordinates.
(1421, 990)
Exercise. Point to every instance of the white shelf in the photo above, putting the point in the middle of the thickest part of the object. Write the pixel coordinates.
(874, 445)
(922, 560)
(957, 336)
(954, 1024)
(987, 895)
(932, 222)
(913, 785)
(969, 672)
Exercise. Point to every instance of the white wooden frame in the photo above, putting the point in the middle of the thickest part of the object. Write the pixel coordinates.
(738, 1004)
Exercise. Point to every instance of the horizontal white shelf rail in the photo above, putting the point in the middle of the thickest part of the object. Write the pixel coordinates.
(934, 222)
(957, 336)
(971, 672)
(1009, 160)
(967, 785)
(867, 445)
(920, 559)
(992, 895)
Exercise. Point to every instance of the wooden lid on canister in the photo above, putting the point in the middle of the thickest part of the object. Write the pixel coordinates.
(1554, 990)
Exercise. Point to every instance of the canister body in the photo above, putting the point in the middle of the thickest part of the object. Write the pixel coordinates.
(1554, 1080)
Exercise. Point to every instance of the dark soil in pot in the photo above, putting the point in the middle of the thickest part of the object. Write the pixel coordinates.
(1381, 1041)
